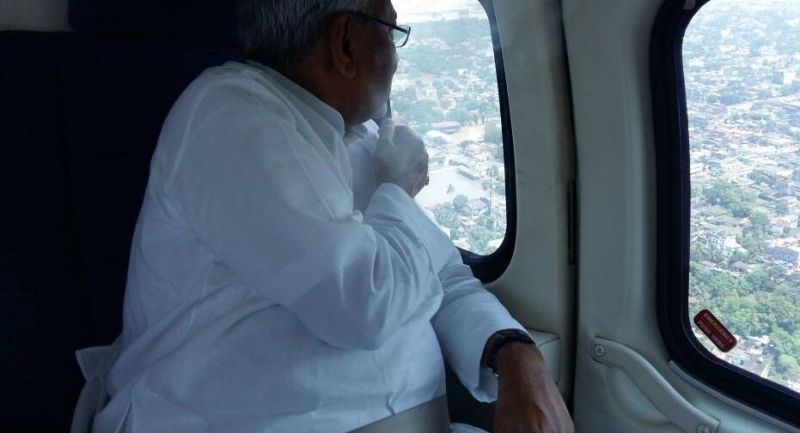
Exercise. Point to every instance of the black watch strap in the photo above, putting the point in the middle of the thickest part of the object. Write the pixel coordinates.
(504, 337)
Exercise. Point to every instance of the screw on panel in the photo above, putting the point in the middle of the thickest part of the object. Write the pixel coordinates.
(599, 351)
(702, 428)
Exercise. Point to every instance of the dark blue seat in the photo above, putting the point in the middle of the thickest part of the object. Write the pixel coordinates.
(80, 115)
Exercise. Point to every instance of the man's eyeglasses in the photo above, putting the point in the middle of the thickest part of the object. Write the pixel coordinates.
(399, 33)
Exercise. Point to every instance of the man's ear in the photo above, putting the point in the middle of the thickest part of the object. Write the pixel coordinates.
(341, 42)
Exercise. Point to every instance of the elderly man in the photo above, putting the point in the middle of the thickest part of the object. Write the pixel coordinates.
(260, 298)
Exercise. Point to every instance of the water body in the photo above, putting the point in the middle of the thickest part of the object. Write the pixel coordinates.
(436, 193)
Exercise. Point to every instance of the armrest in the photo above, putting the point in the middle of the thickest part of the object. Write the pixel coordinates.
(550, 347)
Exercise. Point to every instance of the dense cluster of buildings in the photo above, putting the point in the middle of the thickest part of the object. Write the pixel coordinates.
(743, 98)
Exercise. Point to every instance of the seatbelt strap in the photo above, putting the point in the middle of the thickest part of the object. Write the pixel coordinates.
(430, 417)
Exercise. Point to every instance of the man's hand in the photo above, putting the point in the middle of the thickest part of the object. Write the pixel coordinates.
(401, 158)
(528, 400)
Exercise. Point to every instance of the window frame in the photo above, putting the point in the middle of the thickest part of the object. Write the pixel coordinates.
(490, 267)
(672, 152)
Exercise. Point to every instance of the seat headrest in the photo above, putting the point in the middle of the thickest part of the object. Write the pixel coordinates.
(200, 21)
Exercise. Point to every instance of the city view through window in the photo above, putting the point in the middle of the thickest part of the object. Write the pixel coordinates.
(445, 89)
(742, 70)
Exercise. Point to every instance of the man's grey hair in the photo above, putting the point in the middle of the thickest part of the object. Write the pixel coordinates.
(280, 33)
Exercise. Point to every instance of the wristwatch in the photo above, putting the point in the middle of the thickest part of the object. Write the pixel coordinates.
(504, 337)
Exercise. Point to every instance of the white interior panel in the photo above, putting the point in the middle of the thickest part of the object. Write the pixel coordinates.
(537, 286)
(550, 347)
(608, 49)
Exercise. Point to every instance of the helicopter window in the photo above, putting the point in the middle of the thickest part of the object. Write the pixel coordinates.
(742, 72)
(447, 89)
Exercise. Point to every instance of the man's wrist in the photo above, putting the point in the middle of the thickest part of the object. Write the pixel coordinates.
(517, 357)
(499, 341)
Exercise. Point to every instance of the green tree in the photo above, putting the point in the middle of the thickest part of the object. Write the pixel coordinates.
(759, 279)
(446, 216)
(759, 177)
(492, 133)
(460, 203)
(788, 365)
(479, 238)
(486, 221)
(730, 196)
(707, 251)
(759, 224)
(755, 246)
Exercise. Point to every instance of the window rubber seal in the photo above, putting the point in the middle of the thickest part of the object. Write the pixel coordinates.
(490, 267)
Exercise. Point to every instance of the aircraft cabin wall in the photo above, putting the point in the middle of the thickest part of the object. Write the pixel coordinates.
(608, 45)
(537, 287)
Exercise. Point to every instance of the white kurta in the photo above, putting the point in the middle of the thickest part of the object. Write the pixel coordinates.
(259, 300)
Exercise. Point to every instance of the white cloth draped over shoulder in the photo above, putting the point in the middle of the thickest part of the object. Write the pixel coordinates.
(260, 299)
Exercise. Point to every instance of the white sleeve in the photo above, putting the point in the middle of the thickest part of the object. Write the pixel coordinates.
(467, 318)
(244, 183)
(469, 314)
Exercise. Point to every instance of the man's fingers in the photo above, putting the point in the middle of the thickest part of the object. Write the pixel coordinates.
(386, 130)
(405, 135)
(401, 157)
(385, 146)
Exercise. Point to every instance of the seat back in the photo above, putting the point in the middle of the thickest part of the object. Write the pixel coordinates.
(79, 119)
